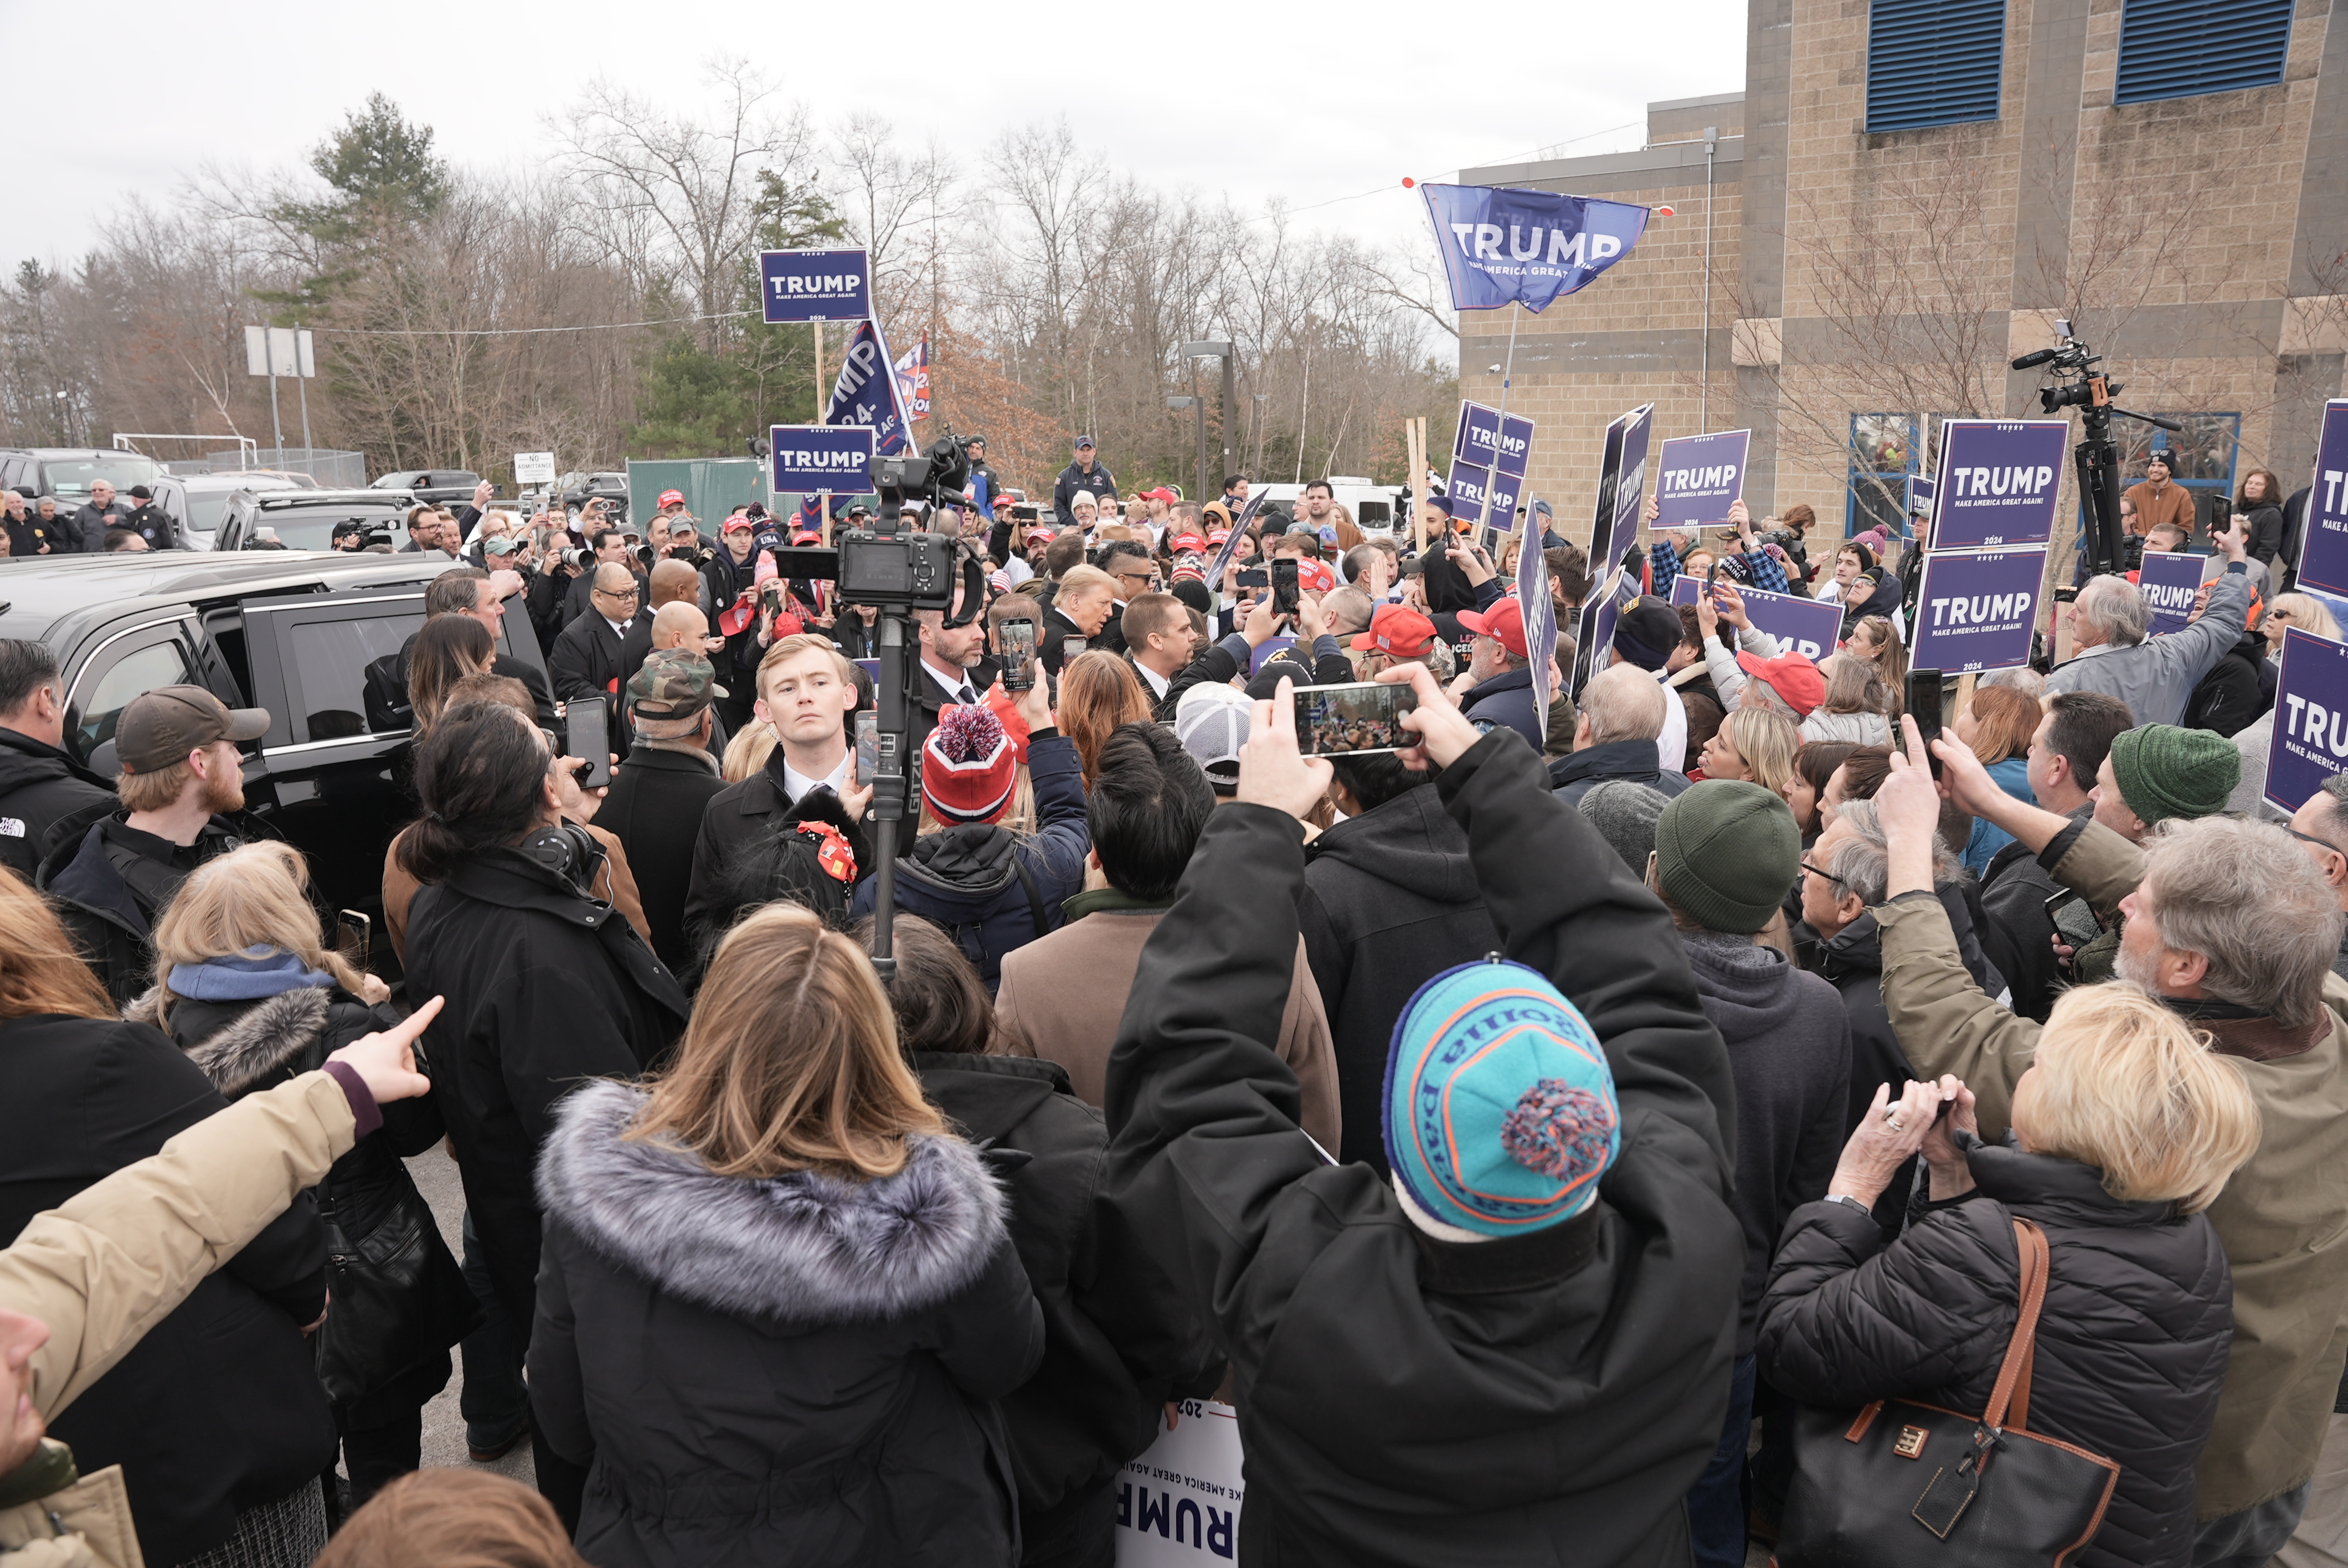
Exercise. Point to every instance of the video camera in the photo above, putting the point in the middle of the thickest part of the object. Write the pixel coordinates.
(2090, 391)
(938, 475)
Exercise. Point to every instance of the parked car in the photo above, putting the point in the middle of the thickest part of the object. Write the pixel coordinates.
(197, 502)
(305, 520)
(290, 632)
(441, 487)
(67, 472)
(577, 489)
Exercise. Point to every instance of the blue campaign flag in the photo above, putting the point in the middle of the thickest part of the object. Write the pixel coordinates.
(1503, 243)
(2310, 728)
(2323, 547)
(1698, 478)
(815, 285)
(867, 392)
(1539, 611)
(818, 457)
(1975, 609)
(2170, 584)
(1999, 479)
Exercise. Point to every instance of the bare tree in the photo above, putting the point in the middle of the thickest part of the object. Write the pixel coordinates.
(671, 198)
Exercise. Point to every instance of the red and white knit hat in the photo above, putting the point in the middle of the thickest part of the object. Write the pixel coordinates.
(969, 771)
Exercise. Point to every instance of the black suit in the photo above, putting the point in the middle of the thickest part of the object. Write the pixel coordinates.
(591, 659)
(655, 810)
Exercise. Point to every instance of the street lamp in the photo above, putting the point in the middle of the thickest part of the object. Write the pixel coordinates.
(1199, 405)
(1226, 353)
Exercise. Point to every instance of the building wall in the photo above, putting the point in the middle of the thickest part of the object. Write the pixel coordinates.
(2186, 240)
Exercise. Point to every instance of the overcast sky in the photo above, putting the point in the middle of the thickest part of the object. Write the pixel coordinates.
(1325, 107)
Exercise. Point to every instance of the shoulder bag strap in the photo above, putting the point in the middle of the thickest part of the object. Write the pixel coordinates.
(2013, 1391)
(1035, 899)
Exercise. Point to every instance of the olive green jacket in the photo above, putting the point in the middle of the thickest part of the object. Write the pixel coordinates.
(116, 1258)
(2283, 1216)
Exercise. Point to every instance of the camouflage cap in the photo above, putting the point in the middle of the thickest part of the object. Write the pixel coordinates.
(673, 683)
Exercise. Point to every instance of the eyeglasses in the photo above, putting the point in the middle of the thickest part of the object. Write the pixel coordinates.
(615, 592)
(1828, 875)
(2319, 842)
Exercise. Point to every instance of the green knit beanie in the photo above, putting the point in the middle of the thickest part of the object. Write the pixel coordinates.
(1726, 852)
(2165, 771)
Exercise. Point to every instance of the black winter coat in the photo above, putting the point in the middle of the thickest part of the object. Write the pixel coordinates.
(546, 988)
(243, 1047)
(794, 1370)
(41, 786)
(109, 894)
(2014, 893)
(1547, 1397)
(591, 659)
(655, 808)
(1390, 901)
(1635, 762)
(1118, 1340)
(218, 1408)
(2264, 538)
(2132, 1341)
(750, 850)
(2230, 697)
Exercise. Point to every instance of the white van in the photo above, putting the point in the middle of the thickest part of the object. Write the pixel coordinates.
(1376, 507)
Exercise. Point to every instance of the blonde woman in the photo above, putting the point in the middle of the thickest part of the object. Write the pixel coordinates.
(2127, 1126)
(2302, 610)
(1877, 640)
(1755, 744)
(777, 1292)
(254, 998)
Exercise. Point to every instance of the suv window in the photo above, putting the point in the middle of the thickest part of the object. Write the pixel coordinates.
(329, 659)
(62, 477)
(138, 671)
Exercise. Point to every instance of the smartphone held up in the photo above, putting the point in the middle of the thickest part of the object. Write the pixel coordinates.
(1352, 719)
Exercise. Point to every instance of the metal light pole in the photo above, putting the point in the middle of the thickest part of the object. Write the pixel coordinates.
(1226, 352)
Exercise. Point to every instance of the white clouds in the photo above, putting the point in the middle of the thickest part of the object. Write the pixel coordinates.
(1293, 102)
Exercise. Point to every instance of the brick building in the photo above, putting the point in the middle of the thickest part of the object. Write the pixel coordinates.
(1908, 192)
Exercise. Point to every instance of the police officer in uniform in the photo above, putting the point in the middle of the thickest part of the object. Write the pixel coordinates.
(149, 521)
(1084, 474)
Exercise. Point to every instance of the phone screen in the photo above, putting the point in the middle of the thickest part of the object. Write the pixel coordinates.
(1349, 720)
(1924, 702)
(1283, 585)
(587, 734)
(1071, 648)
(351, 939)
(1015, 645)
(868, 746)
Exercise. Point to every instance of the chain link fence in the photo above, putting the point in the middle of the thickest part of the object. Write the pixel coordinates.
(332, 470)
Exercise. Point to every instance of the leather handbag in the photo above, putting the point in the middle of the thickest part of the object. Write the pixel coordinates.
(396, 1296)
(1899, 1483)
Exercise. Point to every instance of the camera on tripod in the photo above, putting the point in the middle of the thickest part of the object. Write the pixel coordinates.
(938, 475)
(2090, 391)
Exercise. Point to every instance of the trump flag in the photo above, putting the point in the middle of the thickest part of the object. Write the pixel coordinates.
(1502, 243)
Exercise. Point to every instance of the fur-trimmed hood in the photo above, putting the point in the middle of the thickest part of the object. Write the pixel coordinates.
(272, 1034)
(802, 1248)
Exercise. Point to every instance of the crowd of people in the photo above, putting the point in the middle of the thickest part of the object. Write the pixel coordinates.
(1523, 1123)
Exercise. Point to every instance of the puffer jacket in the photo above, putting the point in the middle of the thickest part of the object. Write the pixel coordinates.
(798, 1369)
(2280, 1215)
(992, 890)
(101, 1268)
(1119, 1342)
(2132, 1341)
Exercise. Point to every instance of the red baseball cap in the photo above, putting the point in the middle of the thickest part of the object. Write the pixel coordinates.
(669, 498)
(1190, 542)
(1314, 577)
(1398, 630)
(1791, 675)
(1041, 531)
(740, 524)
(1159, 494)
(1219, 536)
(1504, 623)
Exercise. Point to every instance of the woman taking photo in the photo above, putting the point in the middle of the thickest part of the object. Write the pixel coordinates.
(215, 1415)
(779, 1295)
(255, 1001)
(2126, 1128)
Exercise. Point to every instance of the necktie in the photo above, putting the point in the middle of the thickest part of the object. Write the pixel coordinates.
(966, 694)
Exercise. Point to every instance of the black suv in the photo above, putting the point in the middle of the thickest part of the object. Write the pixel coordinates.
(306, 520)
(68, 473)
(291, 632)
(441, 487)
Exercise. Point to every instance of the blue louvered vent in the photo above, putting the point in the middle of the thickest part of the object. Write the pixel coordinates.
(2175, 48)
(1933, 62)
